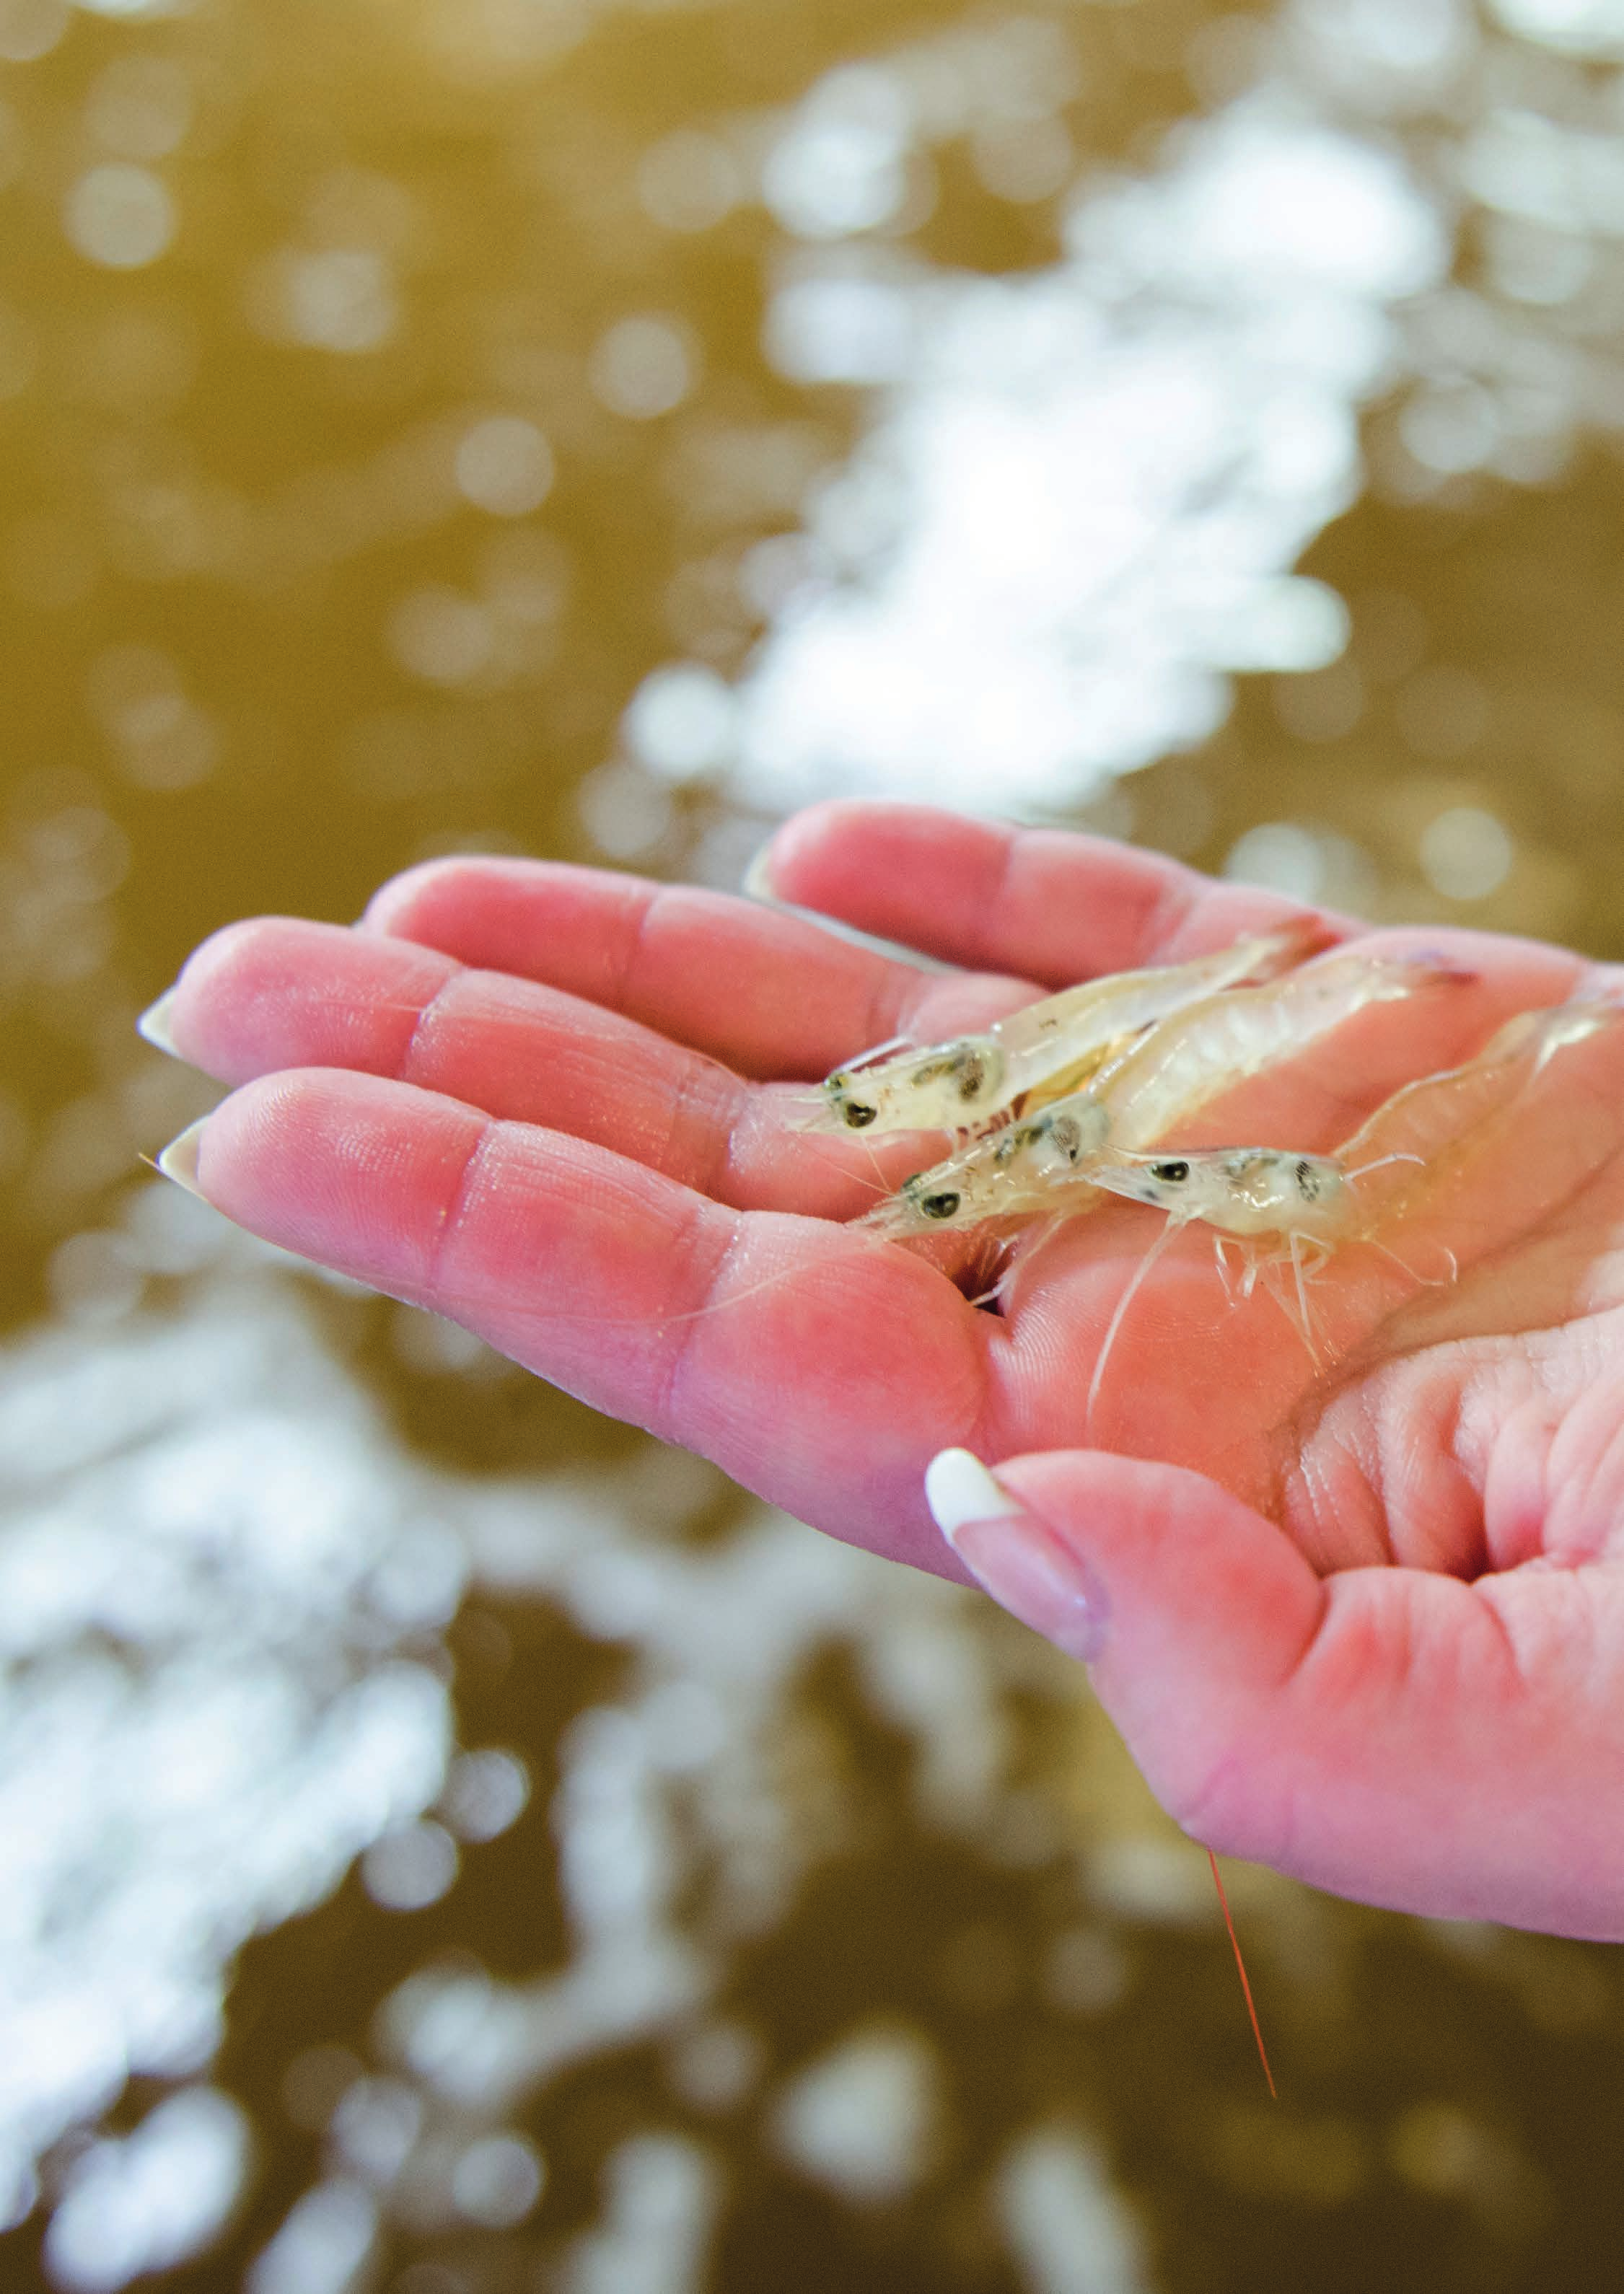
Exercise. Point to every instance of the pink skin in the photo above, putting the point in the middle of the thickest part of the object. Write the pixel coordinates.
(1363, 1626)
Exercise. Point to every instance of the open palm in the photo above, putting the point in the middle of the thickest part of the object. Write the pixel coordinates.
(1364, 1622)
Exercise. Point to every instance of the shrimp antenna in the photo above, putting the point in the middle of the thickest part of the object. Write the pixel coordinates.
(1235, 1945)
(1032, 1240)
(877, 1051)
(1427, 1281)
(1001, 1247)
(876, 1185)
(1122, 1304)
(882, 1185)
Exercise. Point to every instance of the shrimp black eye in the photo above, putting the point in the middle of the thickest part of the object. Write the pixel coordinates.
(1307, 1185)
(857, 1115)
(941, 1206)
(1171, 1171)
(972, 1075)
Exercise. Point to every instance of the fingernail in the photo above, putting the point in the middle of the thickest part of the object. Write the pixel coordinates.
(1015, 1557)
(154, 1024)
(758, 877)
(179, 1160)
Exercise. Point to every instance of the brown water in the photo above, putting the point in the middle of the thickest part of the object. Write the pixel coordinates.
(388, 394)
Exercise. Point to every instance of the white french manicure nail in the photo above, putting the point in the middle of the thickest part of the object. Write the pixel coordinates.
(179, 1160)
(958, 1489)
(154, 1024)
(1027, 1566)
(757, 882)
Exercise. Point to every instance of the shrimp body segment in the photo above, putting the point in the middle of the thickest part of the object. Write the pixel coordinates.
(1226, 1040)
(1038, 1054)
(1136, 1099)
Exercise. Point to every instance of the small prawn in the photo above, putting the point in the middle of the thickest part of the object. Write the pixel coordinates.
(1161, 1080)
(1305, 1201)
(1041, 1052)
(1313, 1204)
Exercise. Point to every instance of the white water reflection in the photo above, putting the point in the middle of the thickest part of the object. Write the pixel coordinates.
(1069, 2227)
(152, 2199)
(863, 2119)
(1075, 511)
(662, 2199)
(210, 1563)
(221, 1590)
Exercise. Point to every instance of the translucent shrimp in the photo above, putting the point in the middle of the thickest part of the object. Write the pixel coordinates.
(1148, 1090)
(1040, 1053)
(1309, 1205)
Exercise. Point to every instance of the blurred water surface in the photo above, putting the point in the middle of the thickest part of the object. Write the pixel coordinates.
(448, 1843)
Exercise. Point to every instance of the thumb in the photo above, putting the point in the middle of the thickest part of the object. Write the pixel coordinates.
(1191, 1611)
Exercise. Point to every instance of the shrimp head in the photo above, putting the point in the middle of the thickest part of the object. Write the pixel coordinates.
(943, 1089)
(1242, 1190)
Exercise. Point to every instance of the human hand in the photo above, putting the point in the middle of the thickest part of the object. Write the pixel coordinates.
(1359, 1622)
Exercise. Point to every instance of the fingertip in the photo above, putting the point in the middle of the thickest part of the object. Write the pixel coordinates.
(819, 839)
(394, 904)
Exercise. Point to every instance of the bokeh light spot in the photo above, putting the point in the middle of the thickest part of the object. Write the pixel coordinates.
(140, 107)
(442, 637)
(1467, 853)
(120, 216)
(341, 299)
(644, 367)
(682, 720)
(485, 1794)
(30, 29)
(505, 465)
(498, 2180)
(688, 182)
(405, 1871)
